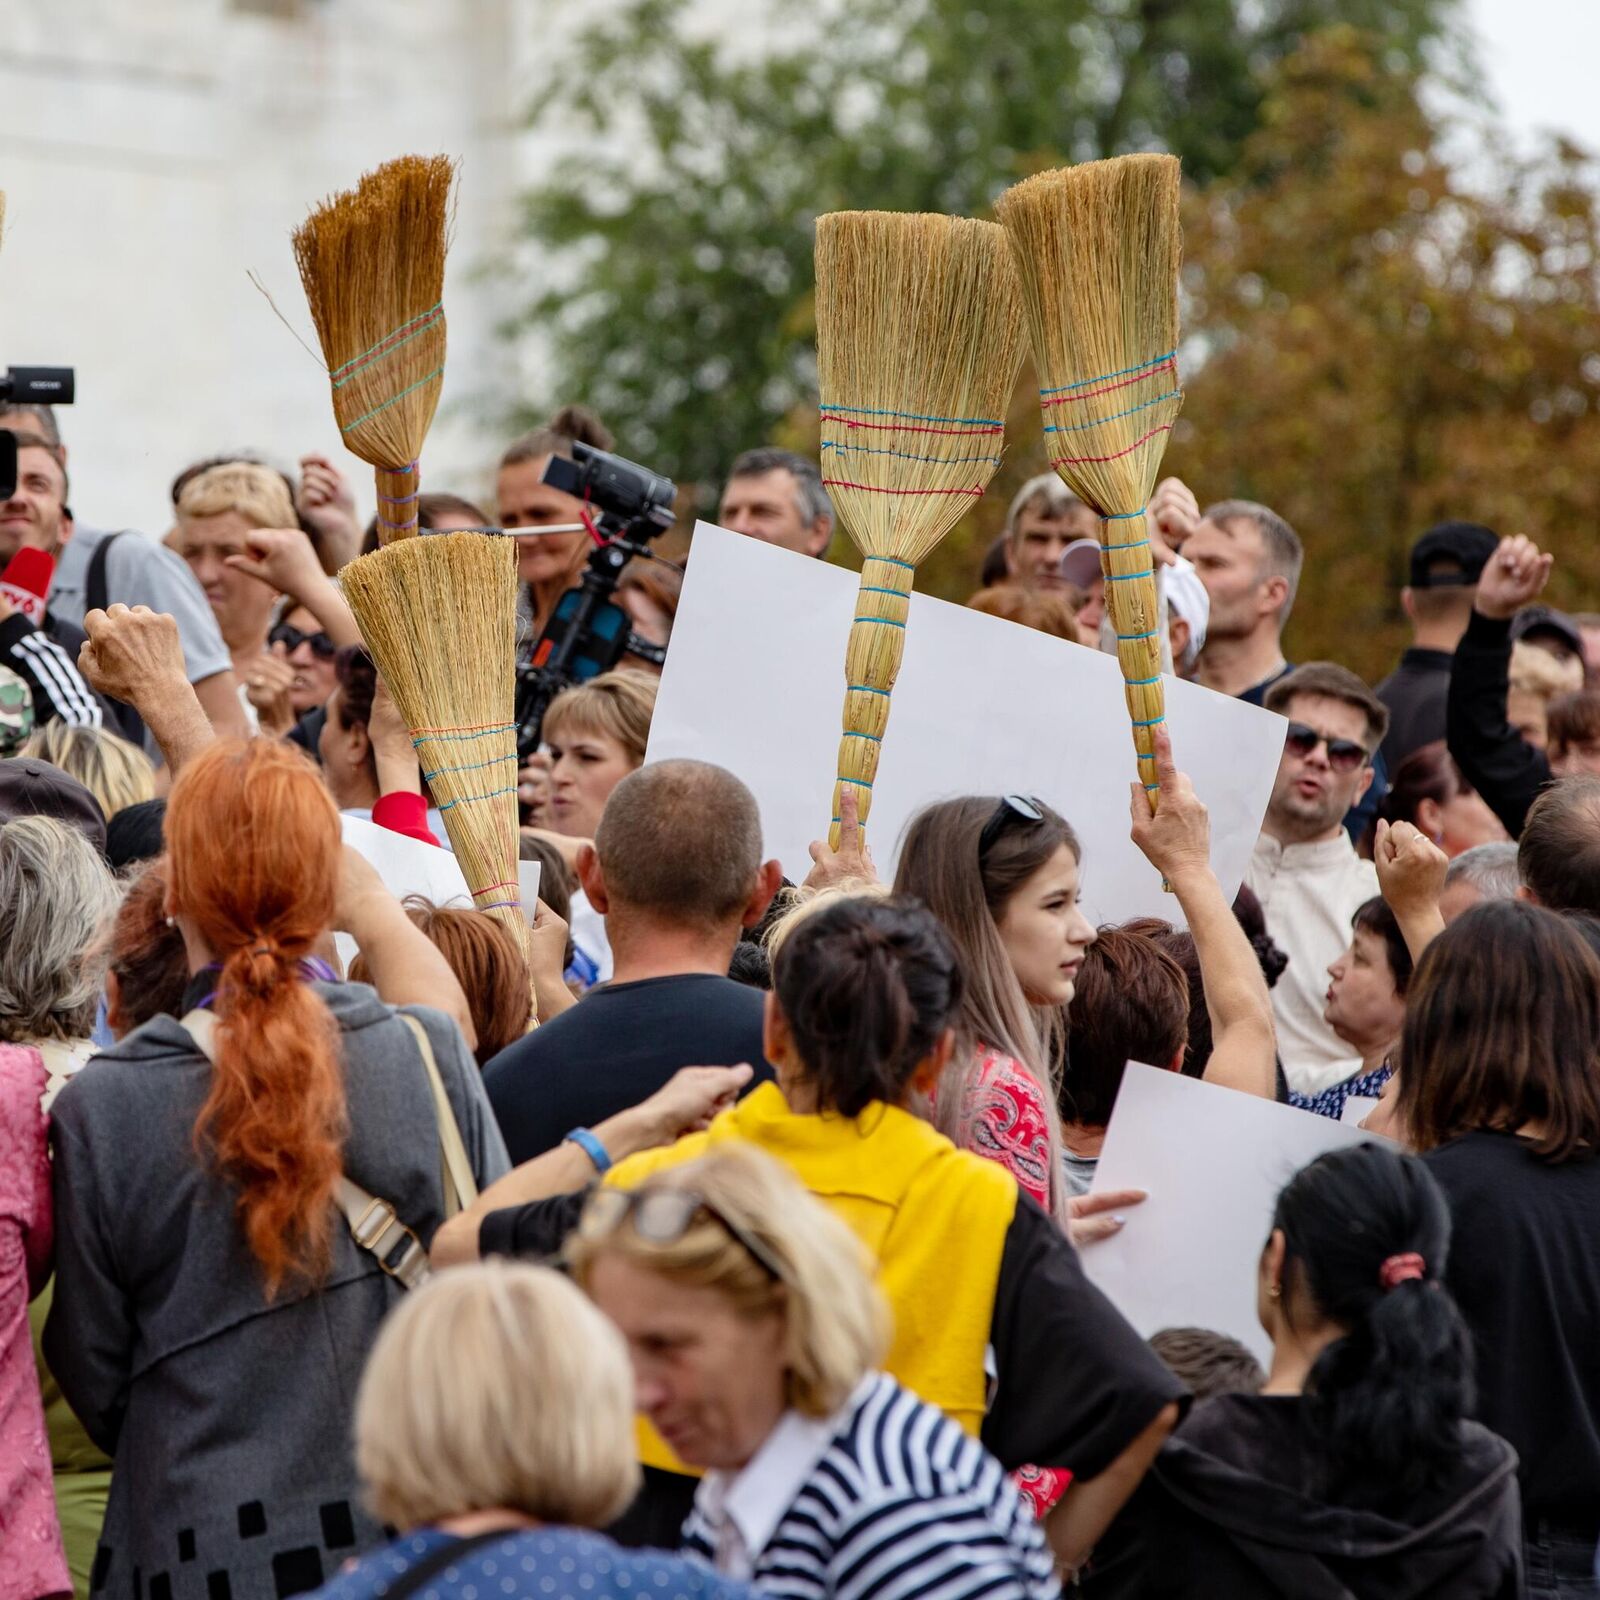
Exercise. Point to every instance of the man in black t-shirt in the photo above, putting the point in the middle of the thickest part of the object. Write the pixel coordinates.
(676, 871)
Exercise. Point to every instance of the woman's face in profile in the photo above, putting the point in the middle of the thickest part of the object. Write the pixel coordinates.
(710, 1378)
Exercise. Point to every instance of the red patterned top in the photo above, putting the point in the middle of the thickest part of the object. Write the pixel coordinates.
(1006, 1122)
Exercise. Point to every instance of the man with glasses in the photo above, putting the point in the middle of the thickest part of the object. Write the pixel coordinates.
(1305, 870)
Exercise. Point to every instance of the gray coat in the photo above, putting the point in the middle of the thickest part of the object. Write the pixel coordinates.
(228, 1416)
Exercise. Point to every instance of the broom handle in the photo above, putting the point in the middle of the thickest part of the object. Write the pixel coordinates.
(871, 664)
(397, 502)
(1130, 583)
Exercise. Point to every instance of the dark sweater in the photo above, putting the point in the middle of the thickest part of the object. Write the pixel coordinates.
(1228, 1512)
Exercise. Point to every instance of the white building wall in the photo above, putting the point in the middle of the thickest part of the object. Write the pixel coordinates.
(155, 152)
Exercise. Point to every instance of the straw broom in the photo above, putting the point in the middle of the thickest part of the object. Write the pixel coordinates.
(1097, 248)
(919, 336)
(438, 615)
(372, 262)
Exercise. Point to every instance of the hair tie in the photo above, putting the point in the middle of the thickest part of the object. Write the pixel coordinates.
(262, 950)
(1400, 1269)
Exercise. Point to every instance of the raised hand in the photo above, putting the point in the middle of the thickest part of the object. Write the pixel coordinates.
(132, 654)
(1176, 835)
(852, 861)
(267, 687)
(1512, 577)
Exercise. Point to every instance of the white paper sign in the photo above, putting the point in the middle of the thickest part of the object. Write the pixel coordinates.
(1212, 1161)
(407, 866)
(755, 683)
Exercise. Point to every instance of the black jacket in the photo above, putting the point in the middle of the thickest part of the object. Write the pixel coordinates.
(1498, 762)
(1228, 1513)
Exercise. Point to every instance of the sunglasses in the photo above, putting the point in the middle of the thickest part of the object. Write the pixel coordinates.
(1013, 805)
(1344, 755)
(664, 1216)
(322, 647)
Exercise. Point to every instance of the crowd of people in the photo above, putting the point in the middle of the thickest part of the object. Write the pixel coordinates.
(758, 1266)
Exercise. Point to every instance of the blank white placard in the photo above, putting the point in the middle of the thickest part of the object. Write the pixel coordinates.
(755, 682)
(1213, 1161)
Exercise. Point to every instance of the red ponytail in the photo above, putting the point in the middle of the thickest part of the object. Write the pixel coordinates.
(253, 843)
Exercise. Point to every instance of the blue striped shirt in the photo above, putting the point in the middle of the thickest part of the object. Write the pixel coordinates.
(901, 1505)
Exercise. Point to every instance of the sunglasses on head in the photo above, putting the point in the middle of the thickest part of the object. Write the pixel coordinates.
(1344, 755)
(1012, 806)
(292, 638)
(664, 1216)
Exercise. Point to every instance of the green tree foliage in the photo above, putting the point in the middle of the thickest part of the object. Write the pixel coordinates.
(1388, 339)
(682, 238)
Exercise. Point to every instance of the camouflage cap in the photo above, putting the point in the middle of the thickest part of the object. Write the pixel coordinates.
(16, 711)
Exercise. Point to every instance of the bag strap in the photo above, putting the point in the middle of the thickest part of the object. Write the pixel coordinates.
(374, 1224)
(432, 1564)
(460, 1187)
(95, 592)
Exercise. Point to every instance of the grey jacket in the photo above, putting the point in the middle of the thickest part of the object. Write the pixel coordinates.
(228, 1416)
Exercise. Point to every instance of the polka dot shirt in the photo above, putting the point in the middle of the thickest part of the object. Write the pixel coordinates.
(534, 1564)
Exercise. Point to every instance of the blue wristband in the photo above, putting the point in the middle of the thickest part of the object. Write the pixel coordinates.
(591, 1147)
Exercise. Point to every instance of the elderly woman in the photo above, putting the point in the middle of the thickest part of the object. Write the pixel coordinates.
(56, 896)
(242, 1195)
(994, 1321)
(485, 1504)
(756, 1335)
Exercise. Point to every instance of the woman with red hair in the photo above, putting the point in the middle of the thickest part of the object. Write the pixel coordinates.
(213, 1307)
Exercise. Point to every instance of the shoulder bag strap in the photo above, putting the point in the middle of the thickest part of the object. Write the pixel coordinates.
(460, 1187)
(373, 1223)
(432, 1564)
(95, 592)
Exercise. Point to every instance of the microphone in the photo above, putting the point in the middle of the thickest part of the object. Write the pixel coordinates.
(26, 582)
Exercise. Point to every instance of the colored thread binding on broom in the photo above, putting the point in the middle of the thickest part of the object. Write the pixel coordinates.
(870, 488)
(1114, 416)
(1082, 383)
(911, 416)
(906, 455)
(1116, 455)
(481, 731)
(1140, 374)
(388, 344)
(402, 499)
(394, 400)
(471, 766)
(477, 799)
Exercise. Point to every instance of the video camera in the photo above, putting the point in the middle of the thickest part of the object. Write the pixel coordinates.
(589, 633)
(28, 386)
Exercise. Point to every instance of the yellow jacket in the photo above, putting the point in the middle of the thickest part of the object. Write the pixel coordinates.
(934, 1218)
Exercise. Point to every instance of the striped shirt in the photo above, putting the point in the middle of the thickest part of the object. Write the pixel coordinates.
(900, 1505)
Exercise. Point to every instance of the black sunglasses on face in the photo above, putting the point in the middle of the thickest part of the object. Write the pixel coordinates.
(322, 647)
(1012, 805)
(1344, 755)
(663, 1216)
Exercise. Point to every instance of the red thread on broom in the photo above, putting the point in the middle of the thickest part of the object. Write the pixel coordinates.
(899, 427)
(1116, 455)
(1169, 365)
(840, 483)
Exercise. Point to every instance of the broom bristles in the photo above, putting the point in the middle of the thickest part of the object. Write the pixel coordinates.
(919, 336)
(372, 262)
(1098, 248)
(439, 617)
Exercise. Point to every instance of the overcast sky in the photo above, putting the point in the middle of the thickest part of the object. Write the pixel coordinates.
(1540, 57)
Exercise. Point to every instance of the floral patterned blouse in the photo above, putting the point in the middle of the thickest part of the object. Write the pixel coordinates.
(1007, 1123)
(33, 1563)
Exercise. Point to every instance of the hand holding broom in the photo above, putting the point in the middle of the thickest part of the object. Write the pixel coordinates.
(919, 336)
(1097, 249)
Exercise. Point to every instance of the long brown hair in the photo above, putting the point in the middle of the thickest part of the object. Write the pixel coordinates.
(940, 865)
(1502, 1029)
(253, 849)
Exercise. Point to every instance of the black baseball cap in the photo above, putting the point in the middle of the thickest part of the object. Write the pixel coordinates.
(1452, 555)
(30, 788)
(1532, 620)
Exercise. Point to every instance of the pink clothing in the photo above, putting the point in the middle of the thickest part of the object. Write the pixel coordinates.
(31, 1560)
(1005, 1111)
(1005, 1115)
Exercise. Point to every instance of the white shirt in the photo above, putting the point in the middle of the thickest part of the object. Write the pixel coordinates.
(1309, 893)
(744, 1508)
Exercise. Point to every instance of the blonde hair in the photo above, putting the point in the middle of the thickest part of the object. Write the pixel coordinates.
(257, 493)
(1537, 672)
(794, 904)
(116, 773)
(497, 1385)
(836, 1324)
(619, 704)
